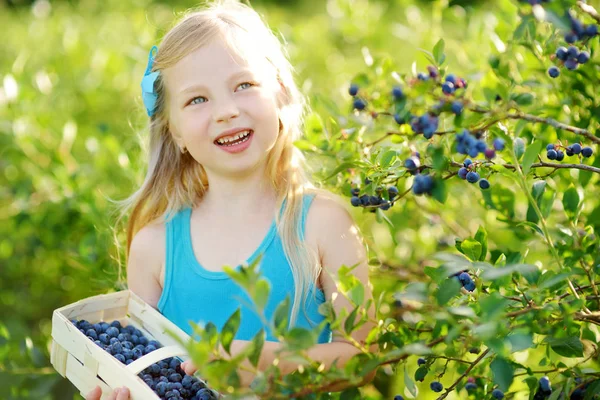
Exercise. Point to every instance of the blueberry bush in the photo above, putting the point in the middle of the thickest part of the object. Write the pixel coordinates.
(470, 164)
(483, 318)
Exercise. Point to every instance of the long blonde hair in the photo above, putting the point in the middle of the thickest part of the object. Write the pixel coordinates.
(174, 180)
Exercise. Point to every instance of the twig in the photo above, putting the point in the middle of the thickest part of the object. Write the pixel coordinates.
(460, 378)
(586, 8)
(555, 124)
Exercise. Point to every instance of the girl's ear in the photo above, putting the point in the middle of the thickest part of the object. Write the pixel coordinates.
(282, 94)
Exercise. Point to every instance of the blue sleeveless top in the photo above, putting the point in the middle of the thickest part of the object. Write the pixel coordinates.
(192, 293)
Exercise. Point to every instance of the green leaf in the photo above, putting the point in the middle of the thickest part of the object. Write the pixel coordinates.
(495, 273)
(421, 373)
(343, 166)
(387, 158)
(493, 306)
(261, 293)
(410, 385)
(520, 341)
(531, 154)
(503, 372)
(571, 201)
(438, 52)
(350, 321)
(300, 338)
(524, 99)
(481, 237)
(257, 345)
(350, 394)
(519, 147)
(448, 289)
(471, 248)
(566, 347)
(230, 329)
(280, 316)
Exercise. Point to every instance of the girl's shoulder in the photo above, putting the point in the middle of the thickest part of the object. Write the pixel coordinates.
(326, 209)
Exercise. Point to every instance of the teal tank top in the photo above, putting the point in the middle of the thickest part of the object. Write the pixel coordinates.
(194, 294)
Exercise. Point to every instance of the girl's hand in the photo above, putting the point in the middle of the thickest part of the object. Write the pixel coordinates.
(188, 367)
(117, 394)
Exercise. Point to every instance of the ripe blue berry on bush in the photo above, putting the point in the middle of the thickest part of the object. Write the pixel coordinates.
(436, 386)
(165, 378)
(497, 394)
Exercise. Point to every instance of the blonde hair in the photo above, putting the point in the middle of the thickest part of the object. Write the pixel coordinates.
(174, 180)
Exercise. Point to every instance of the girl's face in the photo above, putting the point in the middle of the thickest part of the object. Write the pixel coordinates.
(210, 91)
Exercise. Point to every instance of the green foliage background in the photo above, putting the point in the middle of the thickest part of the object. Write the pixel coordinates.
(72, 133)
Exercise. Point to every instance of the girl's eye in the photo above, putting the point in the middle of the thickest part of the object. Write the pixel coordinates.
(201, 97)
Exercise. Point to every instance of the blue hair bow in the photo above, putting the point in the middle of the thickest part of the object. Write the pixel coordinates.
(148, 94)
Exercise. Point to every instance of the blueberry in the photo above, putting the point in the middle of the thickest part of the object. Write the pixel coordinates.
(204, 394)
(436, 386)
(464, 277)
(499, 144)
(421, 361)
(489, 153)
(448, 87)
(374, 200)
(120, 357)
(497, 394)
(467, 162)
(137, 353)
(359, 104)
(411, 164)
(92, 333)
(385, 205)
(583, 57)
(187, 381)
(571, 64)
(561, 53)
(551, 154)
(576, 148)
(462, 173)
(560, 155)
(470, 286)
(572, 52)
(149, 349)
(103, 337)
(587, 152)
(128, 361)
(112, 332)
(451, 78)
(392, 191)
(550, 146)
(591, 30)
(98, 328)
(470, 386)
(569, 151)
(457, 107)
(433, 72)
(398, 397)
(422, 77)
(399, 120)
(117, 347)
(545, 384)
(397, 92)
(570, 37)
(116, 324)
(553, 72)
(484, 184)
(355, 201)
(364, 200)
(472, 177)
(175, 377)
(353, 89)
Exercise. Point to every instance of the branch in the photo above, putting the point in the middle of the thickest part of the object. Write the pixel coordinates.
(460, 378)
(586, 8)
(555, 124)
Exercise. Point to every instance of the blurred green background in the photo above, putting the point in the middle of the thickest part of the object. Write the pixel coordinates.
(73, 130)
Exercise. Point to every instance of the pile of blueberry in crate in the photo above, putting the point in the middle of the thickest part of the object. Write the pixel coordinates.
(127, 344)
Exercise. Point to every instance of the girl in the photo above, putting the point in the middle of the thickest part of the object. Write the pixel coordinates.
(225, 183)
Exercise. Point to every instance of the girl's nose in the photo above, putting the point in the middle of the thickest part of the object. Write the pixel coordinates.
(226, 110)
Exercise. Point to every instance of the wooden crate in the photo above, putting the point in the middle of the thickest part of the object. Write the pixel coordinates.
(87, 365)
